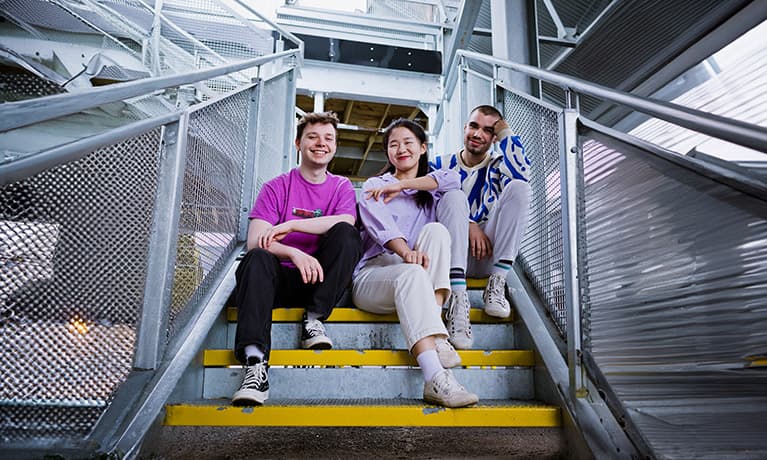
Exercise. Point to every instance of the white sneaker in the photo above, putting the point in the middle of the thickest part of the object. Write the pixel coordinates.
(494, 296)
(448, 357)
(457, 319)
(444, 390)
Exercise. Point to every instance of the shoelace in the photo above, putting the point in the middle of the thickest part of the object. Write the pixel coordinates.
(495, 291)
(315, 327)
(463, 320)
(254, 377)
(445, 383)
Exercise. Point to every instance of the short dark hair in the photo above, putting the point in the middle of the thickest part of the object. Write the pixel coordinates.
(487, 110)
(329, 118)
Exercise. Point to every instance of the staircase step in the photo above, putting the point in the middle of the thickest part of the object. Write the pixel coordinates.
(382, 336)
(363, 412)
(369, 382)
(355, 315)
(371, 358)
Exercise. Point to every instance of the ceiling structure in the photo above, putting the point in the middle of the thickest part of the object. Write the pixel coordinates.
(360, 150)
(626, 45)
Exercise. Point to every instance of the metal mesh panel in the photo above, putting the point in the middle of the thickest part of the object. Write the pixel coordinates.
(403, 9)
(271, 148)
(220, 30)
(541, 250)
(73, 244)
(678, 282)
(21, 86)
(211, 198)
(42, 19)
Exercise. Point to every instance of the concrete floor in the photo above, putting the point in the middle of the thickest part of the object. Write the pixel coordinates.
(234, 443)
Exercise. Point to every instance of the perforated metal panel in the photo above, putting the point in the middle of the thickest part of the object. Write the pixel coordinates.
(73, 244)
(273, 152)
(21, 86)
(213, 178)
(677, 305)
(541, 251)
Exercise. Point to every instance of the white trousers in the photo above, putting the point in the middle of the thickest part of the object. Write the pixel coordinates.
(506, 225)
(386, 284)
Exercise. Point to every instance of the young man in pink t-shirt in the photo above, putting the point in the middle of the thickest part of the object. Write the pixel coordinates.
(302, 250)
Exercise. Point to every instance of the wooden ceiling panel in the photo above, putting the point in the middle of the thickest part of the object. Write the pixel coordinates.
(368, 118)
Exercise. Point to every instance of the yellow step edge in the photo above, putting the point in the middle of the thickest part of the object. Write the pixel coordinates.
(506, 358)
(361, 415)
(354, 315)
(756, 361)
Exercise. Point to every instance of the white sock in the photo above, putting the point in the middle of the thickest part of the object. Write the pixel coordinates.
(252, 351)
(311, 315)
(430, 365)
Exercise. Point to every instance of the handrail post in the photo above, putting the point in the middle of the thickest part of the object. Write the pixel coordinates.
(569, 170)
(162, 247)
(464, 89)
(251, 164)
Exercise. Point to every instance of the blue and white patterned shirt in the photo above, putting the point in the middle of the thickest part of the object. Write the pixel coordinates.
(484, 182)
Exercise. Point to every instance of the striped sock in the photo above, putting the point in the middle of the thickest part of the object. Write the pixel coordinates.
(501, 267)
(457, 280)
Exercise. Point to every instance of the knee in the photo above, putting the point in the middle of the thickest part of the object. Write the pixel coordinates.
(435, 231)
(517, 192)
(413, 275)
(344, 232)
(455, 201)
(257, 260)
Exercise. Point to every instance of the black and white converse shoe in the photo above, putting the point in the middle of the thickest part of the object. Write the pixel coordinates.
(255, 385)
(313, 335)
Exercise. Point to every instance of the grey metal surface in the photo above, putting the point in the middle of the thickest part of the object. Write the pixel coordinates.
(601, 432)
(75, 240)
(210, 203)
(634, 40)
(538, 126)
(17, 114)
(72, 285)
(736, 131)
(181, 351)
(160, 254)
(275, 151)
(386, 336)
(676, 300)
(369, 382)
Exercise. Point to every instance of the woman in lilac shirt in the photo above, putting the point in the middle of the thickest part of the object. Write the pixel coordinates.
(406, 260)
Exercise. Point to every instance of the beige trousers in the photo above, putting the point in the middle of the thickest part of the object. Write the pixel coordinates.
(386, 284)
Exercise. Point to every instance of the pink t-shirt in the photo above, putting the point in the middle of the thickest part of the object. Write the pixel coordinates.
(289, 196)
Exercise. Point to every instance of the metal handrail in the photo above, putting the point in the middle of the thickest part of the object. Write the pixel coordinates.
(23, 113)
(738, 132)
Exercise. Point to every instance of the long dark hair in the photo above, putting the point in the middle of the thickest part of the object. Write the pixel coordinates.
(423, 198)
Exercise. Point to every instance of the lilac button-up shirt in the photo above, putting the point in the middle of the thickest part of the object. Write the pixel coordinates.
(399, 218)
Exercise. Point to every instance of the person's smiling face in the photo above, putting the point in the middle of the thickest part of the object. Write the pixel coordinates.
(404, 150)
(317, 144)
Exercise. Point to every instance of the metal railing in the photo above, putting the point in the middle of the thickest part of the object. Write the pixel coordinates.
(113, 247)
(567, 261)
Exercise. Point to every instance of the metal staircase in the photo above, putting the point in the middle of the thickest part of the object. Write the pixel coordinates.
(368, 379)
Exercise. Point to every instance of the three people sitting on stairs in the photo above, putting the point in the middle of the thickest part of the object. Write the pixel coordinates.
(303, 248)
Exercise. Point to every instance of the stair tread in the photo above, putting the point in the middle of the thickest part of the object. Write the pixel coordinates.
(363, 412)
(351, 314)
(225, 357)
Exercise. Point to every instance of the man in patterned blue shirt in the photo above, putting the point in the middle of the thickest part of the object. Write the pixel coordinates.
(495, 181)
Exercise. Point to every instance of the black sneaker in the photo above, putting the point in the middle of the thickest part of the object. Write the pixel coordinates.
(255, 385)
(313, 335)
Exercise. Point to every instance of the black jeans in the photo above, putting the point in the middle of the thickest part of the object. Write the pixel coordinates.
(263, 283)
